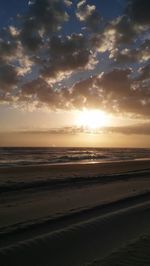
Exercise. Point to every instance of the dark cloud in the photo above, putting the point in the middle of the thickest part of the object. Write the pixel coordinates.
(8, 77)
(144, 73)
(35, 43)
(66, 55)
(7, 49)
(117, 32)
(44, 18)
(125, 29)
(138, 11)
(85, 93)
(115, 91)
(29, 37)
(141, 54)
(40, 93)
(122, 94)
(116, 82)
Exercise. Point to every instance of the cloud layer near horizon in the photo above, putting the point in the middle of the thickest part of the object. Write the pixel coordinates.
(37, 46)
(135, 129)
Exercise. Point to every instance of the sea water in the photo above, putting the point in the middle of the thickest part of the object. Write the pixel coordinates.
(10, 157)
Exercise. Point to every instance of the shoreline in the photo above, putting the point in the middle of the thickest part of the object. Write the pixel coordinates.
(74, 162)
(71, 170)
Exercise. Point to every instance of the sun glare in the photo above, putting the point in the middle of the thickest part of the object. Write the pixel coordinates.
(92, 119)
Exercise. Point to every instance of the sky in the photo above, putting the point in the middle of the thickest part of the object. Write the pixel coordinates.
(75, 73)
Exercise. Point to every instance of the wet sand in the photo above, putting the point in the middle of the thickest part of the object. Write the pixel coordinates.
(87, 213)
(35, 173)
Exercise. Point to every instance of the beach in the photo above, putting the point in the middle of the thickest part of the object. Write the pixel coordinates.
(75, 133)
(72, 214)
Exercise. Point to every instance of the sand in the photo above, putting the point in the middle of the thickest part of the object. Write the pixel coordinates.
(35, 173)
(135, 253)
(72, 214)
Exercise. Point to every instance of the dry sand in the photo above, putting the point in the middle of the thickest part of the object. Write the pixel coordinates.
(77, 221)
(135, 253)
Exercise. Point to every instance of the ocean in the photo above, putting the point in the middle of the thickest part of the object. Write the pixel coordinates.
(10, 157)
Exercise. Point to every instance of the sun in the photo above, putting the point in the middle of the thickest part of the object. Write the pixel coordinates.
(92, 119)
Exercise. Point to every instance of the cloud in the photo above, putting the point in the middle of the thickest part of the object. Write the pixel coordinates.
(35, 44)
(115, 33)
(68, 2)
(44, 17)
(40, 93)
(8, 77)
(138, 11)
(116, 91)
(7, 50)
(145, 50)
(84, 93)
(37, 53)
(89, 15)
(144, 73)
(141, 54)
(66, 55)
(138, 129)
(121, 95)
(116, 82)
(12, 51)
(125, 29)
